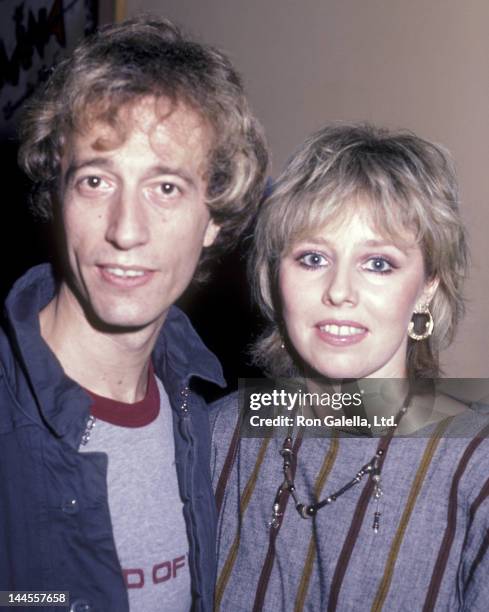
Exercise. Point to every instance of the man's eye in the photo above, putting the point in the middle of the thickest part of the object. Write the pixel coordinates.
(169, 189)
(312, 260)
(93, 182)
(379, 264)
(88, 185)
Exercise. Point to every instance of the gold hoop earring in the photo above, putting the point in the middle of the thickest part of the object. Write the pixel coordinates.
(428, 326)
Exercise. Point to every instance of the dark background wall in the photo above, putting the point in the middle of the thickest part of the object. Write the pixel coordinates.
(34, 35)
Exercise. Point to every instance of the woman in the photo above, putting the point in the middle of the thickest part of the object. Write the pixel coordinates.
(359, 259)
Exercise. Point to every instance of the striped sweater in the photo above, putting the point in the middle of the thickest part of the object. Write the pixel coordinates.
(431, 552)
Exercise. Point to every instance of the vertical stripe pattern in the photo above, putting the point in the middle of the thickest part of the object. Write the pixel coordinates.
(353, 532)
(266, 570)
(245, 500)
(227, 468)
(446, 544)
(480, 555)
(311, 552)
(406, 515)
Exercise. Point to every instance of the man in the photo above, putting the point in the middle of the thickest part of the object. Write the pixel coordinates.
(142, 148)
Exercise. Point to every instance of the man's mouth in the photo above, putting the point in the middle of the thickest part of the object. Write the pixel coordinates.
(125, 276)
(124, 273)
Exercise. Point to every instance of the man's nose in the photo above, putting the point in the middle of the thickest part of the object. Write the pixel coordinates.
(340, 286)
(127, 223)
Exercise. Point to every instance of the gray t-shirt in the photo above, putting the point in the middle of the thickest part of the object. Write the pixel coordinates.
(144, 501)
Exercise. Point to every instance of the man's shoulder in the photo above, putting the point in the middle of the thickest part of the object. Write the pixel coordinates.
(9, 350)
(15, 396)
(39, 279)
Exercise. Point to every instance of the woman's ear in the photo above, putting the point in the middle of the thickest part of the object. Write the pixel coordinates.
(428, 292)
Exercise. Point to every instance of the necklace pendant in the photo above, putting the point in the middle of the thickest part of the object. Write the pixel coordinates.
(275, 522)
(377, 492)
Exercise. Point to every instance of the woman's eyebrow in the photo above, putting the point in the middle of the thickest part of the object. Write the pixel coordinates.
(403, 247)
(374, 242)
(315, 240)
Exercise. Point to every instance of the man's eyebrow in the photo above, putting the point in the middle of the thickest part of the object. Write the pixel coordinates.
(174, 171)
(76, 165)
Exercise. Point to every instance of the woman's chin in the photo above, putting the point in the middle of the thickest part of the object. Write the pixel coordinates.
(334, 373)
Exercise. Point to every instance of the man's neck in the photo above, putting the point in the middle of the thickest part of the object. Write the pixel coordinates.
(113, 365)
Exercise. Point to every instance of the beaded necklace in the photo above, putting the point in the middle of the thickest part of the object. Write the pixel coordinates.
(373, 468)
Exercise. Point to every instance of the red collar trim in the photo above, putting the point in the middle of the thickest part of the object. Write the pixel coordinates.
(138, 414)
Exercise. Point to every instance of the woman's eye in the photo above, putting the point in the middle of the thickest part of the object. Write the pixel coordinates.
(379, 264)
(312, 260)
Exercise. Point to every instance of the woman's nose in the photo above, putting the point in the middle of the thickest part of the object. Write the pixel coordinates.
(340, 286)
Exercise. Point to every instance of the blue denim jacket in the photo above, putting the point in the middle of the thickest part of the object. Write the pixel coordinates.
(55, 528)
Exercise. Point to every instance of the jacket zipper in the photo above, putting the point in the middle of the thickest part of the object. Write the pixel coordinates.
(189, 467)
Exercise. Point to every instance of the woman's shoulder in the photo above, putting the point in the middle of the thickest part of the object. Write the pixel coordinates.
(456, 414)
(467, 441)
(224, 412)
(471, 419)
(224, 418)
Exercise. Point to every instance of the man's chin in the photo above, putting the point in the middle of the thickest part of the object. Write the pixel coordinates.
(121, 323)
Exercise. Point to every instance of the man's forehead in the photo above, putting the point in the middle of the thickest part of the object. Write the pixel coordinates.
(156, 114)
(160, 119)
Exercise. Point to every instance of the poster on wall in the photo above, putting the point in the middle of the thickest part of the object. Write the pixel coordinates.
(34, 36)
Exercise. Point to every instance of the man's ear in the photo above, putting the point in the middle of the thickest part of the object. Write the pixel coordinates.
(211, 233)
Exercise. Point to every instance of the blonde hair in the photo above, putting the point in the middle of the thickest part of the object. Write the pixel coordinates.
(407, 184)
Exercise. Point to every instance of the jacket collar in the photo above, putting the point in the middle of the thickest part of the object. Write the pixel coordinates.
(179, 354)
